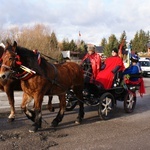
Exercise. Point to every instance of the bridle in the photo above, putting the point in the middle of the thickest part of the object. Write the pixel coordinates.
(27, 72)
(7, 67)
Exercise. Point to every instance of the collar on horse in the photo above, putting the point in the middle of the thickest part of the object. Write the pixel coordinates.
(28, 73)
(24, 75)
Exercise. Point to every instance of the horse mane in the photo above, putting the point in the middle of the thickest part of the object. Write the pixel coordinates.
(30, 59)
(1, 51)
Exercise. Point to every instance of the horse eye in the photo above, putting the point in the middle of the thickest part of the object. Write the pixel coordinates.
(16, 58)
(10, 58)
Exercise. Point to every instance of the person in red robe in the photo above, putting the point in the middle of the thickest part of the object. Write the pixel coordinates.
(91, 64)
(112, 65)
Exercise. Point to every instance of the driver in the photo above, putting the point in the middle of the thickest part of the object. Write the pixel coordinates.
(91, 64)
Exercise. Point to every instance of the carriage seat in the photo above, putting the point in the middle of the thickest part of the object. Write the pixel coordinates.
(129, 79)
(112, 76)
(117, 77)
(135, 85)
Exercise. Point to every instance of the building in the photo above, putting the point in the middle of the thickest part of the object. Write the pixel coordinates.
(99, 50)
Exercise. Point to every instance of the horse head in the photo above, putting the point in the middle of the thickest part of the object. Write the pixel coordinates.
(9, 61)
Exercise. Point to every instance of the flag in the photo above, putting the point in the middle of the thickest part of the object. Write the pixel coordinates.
(79, 33)
(128, 56)
(120, 49)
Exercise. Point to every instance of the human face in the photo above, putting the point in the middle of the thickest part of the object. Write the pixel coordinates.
(114, 53)
(90, 52)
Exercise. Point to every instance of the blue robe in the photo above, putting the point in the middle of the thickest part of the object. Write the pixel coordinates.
(133, 69)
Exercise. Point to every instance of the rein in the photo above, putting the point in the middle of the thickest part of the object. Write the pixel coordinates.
(49, 57)
(28, 73)
(5, 66)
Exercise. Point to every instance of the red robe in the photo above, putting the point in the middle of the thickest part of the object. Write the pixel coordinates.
(95, 60)
(106, 76)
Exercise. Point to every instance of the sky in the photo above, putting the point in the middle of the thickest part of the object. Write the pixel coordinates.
(94, 19)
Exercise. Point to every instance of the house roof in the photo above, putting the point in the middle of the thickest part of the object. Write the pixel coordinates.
(148, 45)
(99, 49)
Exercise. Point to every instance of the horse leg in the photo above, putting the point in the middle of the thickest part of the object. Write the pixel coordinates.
(38, 99)
(49, 105)
(10, 94)
(78, 92)
(25, 102)
(60, 115)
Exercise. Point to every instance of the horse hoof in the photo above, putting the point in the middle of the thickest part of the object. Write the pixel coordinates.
(53, 109)
(54, 124)
(78, 121)
(11, 119)
(33, 129)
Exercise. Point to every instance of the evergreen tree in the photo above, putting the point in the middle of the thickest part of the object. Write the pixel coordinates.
(139, 43)
(82, 47)
(65, 45)
(72, 46)
(103, 42)
(53, 42)
(112, 43)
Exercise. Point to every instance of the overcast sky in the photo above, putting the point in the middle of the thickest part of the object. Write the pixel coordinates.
(95, 19)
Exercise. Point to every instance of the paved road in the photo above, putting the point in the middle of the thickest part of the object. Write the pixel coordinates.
(4, 104)
(123, 131)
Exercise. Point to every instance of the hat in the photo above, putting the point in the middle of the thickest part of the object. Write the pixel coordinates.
(134, 58)
(115, 50)
(91, 48)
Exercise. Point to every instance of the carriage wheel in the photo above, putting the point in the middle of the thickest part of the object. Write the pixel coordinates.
(70, 105)
(106, 106)
(129, 102)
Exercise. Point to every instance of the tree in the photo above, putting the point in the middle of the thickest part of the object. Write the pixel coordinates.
(65, 45)
(53, 42)
(112, 43)
(82, 47)
(139, 43)
(103, 42)
(72, 46)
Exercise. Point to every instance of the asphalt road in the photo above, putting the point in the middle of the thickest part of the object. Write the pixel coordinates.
(122, 132)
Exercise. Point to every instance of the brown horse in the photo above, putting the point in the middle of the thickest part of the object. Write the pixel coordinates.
(44, 79)
(9, 86)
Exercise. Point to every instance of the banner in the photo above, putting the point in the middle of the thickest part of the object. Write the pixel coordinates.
(120, 49)
(128, 55)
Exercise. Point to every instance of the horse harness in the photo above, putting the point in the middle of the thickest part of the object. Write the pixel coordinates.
(28, 73)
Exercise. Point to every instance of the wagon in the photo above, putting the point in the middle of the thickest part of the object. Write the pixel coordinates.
(106, 99)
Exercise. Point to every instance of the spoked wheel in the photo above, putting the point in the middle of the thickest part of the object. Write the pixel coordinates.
(70, 105)
(129, 102)
(71, 100)
(106, 106)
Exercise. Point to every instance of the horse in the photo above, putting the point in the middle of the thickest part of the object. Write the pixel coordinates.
(42, 79)
(9, 86)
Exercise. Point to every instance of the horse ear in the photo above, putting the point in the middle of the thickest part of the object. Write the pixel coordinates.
(14, 46)
(8, 43)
